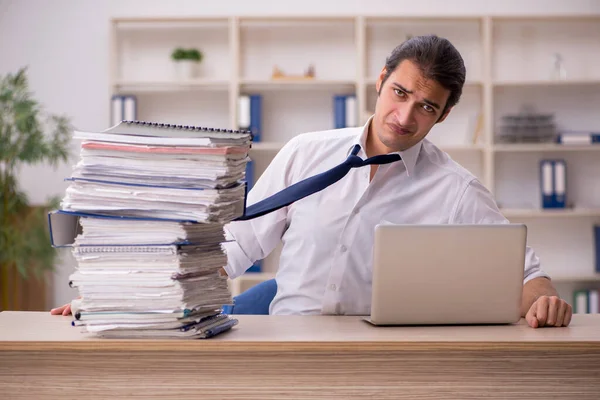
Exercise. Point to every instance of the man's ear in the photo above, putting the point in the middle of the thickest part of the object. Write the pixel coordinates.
(444, 115)
(380, 80)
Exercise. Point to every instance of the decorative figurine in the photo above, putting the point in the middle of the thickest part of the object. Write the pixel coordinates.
(308, 74)
(559, 71)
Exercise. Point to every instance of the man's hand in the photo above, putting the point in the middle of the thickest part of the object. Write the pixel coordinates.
(549, 311)
(64, 310)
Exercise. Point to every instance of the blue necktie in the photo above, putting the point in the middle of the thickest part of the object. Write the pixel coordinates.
(314, 184)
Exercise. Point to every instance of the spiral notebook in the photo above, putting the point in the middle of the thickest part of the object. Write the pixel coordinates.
(156, 133)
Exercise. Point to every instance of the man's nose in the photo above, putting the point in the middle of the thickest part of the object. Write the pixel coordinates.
(405, 115)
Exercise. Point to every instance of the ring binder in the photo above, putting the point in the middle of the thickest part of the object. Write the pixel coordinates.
(166, 134)
(154, 249)
(184, 127)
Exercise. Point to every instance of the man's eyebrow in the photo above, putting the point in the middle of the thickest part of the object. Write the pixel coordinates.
(426, 101)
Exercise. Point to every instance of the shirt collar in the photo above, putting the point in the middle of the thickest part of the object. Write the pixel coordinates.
(409, 156)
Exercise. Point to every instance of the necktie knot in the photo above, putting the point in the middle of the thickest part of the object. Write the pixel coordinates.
(355, 161)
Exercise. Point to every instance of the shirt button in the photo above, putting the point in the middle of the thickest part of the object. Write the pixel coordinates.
(355, 211)
(333, 287)
(343, 248)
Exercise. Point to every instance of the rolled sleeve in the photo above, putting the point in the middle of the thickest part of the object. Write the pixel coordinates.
(252, 240)
(477, 206)
(237, 259)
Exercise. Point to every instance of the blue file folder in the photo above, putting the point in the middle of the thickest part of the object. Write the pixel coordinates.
(553, 183)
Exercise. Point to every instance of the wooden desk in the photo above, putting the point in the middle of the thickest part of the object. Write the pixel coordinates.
(42, 356)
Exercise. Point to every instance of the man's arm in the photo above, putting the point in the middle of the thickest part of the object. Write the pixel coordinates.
(251, 240)
(541, 305)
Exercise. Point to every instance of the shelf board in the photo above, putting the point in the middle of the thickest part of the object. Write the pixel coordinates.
(421, 19)
(133, 24)
(546, 82)
(373, 81)
(549, 213)
(452, 148)
(171, 85)
(544, 147)
(295, 21)
(267, 146)
(170, 20)
(276, 146)
(292, 83)
(563, 17)
(576, 278)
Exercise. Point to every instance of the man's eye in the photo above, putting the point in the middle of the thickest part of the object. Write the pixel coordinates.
(428, 108)
(399, 92)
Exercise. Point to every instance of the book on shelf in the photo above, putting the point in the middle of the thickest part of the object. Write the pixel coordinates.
(586, 301)
(597, 247)
(145, 224)
(593, 301)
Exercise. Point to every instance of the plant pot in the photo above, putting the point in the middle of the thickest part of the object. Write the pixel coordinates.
(186, 69)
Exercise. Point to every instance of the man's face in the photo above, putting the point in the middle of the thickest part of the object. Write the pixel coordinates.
(407, 108)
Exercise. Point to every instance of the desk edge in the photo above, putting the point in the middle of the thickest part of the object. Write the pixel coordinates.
(224, 346)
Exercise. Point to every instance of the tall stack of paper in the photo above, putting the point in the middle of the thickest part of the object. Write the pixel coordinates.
(152, 200)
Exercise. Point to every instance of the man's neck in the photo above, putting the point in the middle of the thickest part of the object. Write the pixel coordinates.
(373, 147)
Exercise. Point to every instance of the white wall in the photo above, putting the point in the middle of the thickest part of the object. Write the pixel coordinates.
(65, 45)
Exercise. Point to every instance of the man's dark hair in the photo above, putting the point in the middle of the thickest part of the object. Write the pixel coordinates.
(437, 59)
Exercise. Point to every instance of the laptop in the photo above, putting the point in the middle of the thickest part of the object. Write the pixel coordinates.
(447, 274)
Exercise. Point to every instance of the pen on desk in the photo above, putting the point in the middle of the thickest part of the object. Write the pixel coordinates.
(221, 328)
(204, 321)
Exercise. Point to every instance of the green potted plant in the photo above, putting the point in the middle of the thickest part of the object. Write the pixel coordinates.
(27, 137)
(186, 62)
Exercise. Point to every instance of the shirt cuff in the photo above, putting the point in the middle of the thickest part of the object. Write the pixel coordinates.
(535, 274)
(237, 261)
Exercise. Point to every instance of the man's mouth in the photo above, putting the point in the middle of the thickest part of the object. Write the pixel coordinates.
(399, 129)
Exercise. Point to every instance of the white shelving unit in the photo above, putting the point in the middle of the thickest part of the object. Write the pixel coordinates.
(149, 86)
(509, 64)
(550, 213)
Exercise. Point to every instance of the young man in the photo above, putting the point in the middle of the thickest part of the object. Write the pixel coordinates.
(325, 264)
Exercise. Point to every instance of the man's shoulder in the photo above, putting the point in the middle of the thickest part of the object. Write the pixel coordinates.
(436, 158)
(331, 138)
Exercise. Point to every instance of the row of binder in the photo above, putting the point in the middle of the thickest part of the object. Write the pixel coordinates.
(553, 181)
(586, 302)
(345, 111)
(125, 107)
(250, 115)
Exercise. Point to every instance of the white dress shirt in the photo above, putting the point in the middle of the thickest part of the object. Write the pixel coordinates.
(326, 259)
